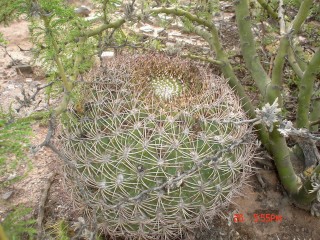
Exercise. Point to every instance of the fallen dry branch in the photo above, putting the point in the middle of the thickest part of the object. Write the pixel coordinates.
(42, 203)
(28, 99)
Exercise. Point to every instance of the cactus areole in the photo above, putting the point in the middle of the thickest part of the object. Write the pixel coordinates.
(155, 147)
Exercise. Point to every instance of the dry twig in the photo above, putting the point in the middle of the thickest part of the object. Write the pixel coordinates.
(42, 203)
(27, 99)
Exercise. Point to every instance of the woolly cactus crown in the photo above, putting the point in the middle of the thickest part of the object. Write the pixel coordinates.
(154, 149)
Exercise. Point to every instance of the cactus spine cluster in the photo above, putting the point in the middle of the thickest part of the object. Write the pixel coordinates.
(157, 149)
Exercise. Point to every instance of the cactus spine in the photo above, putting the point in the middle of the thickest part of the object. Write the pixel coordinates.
(156, 151)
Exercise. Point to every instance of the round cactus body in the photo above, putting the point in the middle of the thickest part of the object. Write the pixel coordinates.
(156, 148)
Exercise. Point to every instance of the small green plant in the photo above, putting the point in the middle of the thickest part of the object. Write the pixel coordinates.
(156, 45)
(14, 140)
(59, 230)
(17, 224)
(2, 39)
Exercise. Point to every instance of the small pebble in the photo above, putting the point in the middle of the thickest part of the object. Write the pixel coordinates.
(7, 195)
(10, 86)
(92, 18)
(146, 29)
(107, 55)
(12, 176)
(29, 80)
(83, 11)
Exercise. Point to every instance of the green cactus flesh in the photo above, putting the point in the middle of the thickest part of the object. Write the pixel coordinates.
(155, 152)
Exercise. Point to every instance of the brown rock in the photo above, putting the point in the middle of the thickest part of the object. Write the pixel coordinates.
(24, 69)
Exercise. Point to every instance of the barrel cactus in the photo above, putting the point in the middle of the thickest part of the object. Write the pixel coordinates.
(155, 147)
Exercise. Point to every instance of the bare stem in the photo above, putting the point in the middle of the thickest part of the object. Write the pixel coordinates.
(281, 18)
(204, 59)
(301, 16)
(182, 13)
(66, 83)
(103, 27)
(278, 145)
(294, 64)
(281, 156)
(42, 203)
(248, 48)
(104, 9)
(315, 122)
(275, 87)
(68, 86)
(305, 91)
(267, 7)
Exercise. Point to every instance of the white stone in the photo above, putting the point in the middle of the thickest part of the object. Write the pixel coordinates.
(302, 39)
(175, 33)
(164, 16)
(83, 11)
(146, 29)
(7, 195)
(29, 80)
(107, 54)
(158, 31)
(170, 44)
(92, 18)
(10, 86)
(11, 176)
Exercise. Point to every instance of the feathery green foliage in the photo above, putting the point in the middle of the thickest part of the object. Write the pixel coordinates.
(59, 230)
(2, 39)
(14, 140)
(18, 224)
